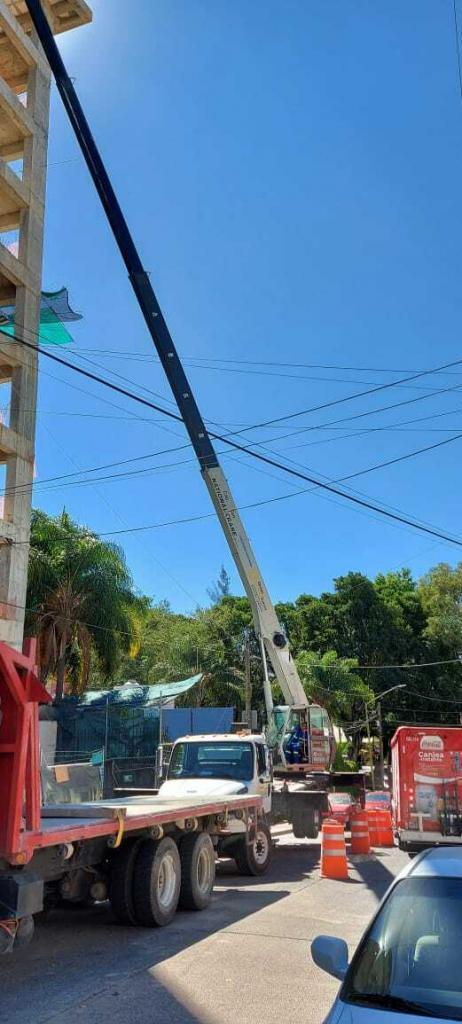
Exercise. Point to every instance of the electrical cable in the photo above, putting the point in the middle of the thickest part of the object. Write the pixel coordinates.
(257, 455)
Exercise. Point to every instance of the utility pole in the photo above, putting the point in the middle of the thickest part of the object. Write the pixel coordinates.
(248, 681)
(380, 732)
(369, 742)
(377, 700)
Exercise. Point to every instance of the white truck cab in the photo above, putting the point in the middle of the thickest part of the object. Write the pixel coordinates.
(226, 764)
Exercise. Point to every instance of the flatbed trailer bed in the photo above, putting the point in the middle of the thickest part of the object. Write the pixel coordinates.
(65, 823)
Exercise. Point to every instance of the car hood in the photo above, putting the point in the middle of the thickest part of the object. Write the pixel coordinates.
(346, 1013)
(201, 787)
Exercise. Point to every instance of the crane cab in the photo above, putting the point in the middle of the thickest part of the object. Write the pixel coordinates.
(302, 737)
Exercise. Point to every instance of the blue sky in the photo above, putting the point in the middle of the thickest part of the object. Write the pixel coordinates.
(292, 174)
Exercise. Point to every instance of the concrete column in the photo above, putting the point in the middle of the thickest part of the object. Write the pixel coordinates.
(23, 135)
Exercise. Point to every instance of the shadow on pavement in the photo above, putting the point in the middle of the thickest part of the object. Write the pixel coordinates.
(82, 962)
(374, 872)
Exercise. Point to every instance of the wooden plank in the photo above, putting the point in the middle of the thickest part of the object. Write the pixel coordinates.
(96, 810)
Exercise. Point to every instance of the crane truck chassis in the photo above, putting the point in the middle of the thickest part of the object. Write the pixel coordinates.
(147, 854)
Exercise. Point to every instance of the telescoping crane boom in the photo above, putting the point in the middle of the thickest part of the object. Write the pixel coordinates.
(300, 732)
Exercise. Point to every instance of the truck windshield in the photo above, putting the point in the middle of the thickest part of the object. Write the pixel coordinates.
(409, 961)
(212, 761)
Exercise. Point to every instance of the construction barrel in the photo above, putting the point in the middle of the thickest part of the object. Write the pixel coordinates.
(385, 828)
(373, 826)
(360, 839)
(333, 850)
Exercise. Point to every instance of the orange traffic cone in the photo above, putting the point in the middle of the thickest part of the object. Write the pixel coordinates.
(360, 839)
(373, 826)
(385, 828)
(333, 850)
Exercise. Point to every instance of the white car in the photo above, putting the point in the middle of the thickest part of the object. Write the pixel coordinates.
(408, 965)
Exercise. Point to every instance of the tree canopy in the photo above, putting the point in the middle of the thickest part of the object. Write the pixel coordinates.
(80, 602)
(351, 643)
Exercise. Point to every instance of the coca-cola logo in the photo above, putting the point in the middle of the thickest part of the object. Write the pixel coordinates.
(431, 743)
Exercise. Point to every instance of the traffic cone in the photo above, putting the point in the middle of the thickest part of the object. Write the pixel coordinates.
(373, 826)
(360, 839)
(385, 828)
(333, 850)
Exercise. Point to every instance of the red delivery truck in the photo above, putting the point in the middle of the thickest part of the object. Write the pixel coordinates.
(427, 786)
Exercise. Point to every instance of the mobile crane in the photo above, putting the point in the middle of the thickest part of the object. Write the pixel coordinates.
(314, 746)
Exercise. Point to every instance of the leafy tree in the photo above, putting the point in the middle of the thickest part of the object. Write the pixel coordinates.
(335, 683)
(80, 601)
(177, 646)
(440, 592)
(221, 588)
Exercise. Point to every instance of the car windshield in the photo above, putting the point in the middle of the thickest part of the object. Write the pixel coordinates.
(212, 761)
(409, 961)
(374, 798)
(339, 798)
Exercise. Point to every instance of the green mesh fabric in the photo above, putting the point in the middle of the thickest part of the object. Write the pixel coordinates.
(55, 311)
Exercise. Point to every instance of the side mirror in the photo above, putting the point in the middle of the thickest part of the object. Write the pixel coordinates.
(331, 955)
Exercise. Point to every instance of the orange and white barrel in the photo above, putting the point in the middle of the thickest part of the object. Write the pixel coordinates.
(360, 839)
(333, 850)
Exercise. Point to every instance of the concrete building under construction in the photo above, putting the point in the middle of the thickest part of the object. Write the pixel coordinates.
(24, 119)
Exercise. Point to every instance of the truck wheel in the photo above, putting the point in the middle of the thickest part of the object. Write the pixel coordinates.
(254, 858)
(312, 825)
(298, 826)
(121, 881)
(305, 825)
(197, 857)
(156, 882)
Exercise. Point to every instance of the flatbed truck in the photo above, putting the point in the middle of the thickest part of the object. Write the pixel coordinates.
(147, 854)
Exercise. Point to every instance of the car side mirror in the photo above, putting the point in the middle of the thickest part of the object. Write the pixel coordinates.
(331, 955)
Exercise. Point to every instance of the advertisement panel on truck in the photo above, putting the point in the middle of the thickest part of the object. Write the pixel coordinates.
(427, 782)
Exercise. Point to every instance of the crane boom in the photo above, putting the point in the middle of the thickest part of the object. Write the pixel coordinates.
(267, 627)
(266, 622)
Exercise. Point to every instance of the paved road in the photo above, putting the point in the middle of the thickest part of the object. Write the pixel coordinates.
(244, 959)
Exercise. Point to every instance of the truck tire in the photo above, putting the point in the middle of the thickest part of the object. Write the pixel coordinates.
(156, 882)
(254, 858)
(121, 881)
(197, 857)
(305, 824)
(312, 825)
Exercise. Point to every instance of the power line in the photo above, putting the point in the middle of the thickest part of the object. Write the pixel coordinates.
(330, 488)
(362, 394)
(261, 458)
(302, 412)
(271, 373)
(261, 362)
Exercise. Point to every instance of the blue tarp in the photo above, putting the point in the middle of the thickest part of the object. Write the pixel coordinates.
(132, 693)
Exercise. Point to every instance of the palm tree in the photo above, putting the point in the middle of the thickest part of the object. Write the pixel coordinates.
(80, 601)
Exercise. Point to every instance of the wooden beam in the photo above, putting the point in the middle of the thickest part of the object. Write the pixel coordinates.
(10, 221)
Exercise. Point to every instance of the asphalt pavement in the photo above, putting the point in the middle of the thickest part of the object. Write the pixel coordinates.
(246, 958)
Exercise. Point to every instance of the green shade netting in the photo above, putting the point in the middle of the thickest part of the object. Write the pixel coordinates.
(55, 311)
